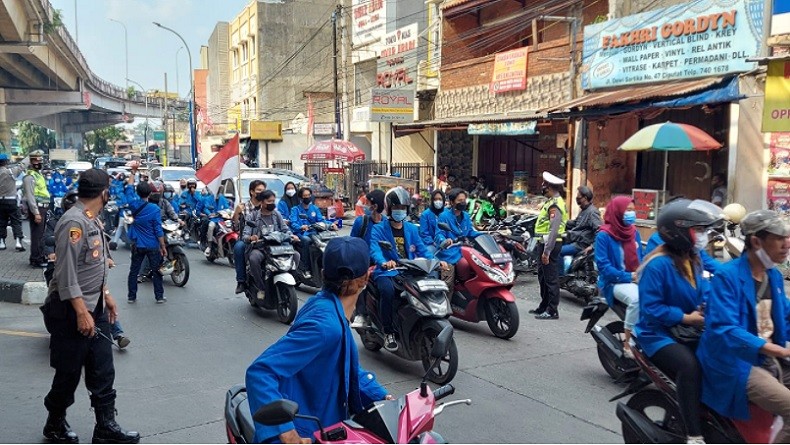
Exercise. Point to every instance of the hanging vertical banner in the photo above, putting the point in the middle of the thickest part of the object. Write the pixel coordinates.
(776, 110)
(397, 64)
(510, 71)
(780, 155)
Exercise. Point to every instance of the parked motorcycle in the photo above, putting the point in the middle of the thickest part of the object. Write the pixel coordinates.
(609, 339)
(417, 322)
(320, 233)
(482, 291)
(486, 210)
(409, 419)
(280, 292)
(176, 264)
(225, 238)
(581, 278)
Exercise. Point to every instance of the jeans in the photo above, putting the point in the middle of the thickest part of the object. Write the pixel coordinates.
(628, 293)
(772, 393)
(155, 261)
(116, 330)
(256, 260)
(116, 238)
(239, 261)
(304, 250)
(567, 249)
(386, 302)
(9, 213)
(680, 364)
(548, 277)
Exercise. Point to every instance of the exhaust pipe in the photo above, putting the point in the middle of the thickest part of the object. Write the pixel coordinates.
(642, 428)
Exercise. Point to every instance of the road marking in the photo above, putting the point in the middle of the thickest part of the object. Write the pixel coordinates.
(24, 334)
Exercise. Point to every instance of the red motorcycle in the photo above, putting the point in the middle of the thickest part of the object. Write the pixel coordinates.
(225, 238)
(482, 285)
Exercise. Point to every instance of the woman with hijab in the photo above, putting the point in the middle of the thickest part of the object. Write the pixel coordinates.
(618, 253)
(429, 219)
(288, 201)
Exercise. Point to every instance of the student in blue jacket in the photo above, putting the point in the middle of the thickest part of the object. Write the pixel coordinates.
(430, 218)
(672, 291)
(406, 243)
(742, 352)
(374, 214)
(461, 225)
(147, 239)
(301, 226)
(207, 206)
(709, 263)
(288, 201)
(316, 364)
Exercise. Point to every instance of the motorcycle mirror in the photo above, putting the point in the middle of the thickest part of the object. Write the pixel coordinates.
(442, 343)
(445, 227)
(277, 413)
(385, 245)
(490, 194)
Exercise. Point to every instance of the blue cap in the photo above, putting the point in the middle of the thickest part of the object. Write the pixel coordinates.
(346, 258)
(3, 157)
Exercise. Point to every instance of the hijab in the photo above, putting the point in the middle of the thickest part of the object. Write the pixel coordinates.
(436, 211)
(624, 234)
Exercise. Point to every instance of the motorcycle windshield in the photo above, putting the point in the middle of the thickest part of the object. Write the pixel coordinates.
(487, 245)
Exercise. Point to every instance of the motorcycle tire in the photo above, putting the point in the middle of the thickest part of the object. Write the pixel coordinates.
(502, 317)
(647, 402)
(287, 303)
(617, 372)
(229, 252)
(447, 367)
(368, 340)
(180, 275)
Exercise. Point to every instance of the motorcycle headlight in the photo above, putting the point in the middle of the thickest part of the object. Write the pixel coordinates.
(438, 305)
(500, 276)
(282, 263)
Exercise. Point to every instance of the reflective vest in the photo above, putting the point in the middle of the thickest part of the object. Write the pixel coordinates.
(543, 224)
(40, 190)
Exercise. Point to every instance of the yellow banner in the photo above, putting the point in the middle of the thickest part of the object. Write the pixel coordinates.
(776, 111)
(510, 71)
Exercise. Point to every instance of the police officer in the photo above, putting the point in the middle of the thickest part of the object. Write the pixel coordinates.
(549, 229)
(9, 208)
(36, 194)
(79, 306)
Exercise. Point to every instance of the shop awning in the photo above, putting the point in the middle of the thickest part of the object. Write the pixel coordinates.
(462, 123)
(725, 92)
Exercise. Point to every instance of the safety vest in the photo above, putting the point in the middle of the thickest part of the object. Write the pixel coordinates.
(543, 224)
(40, 190)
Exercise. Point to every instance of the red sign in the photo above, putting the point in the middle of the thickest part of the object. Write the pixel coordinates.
(779, 196)
(86, 99)
(645, 203)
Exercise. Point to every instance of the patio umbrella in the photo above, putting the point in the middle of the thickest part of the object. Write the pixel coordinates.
(667, 137)
(333, 150)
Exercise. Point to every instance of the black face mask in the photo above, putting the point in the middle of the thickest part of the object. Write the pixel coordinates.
(259, 197)
(580, 202)
(306, 200)
(37, 166)
(270, 207)
(461, 206)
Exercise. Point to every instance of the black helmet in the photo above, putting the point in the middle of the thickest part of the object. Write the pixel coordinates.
(397, 196)
(169, 188)
(68, 200)
(676, 219)
(377, 197)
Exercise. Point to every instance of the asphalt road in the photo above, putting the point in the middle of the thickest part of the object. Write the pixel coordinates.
(544, 385)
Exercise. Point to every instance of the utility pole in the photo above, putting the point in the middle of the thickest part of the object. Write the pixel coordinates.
(165, 115)
(335, 18)
(345, 51)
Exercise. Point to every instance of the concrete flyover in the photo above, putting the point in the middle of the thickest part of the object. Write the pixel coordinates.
(44, 78)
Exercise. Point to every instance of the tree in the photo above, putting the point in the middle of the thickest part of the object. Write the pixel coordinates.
(101, 141)
(34, 137)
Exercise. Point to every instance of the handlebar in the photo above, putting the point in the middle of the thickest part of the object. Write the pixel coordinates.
(444, 391)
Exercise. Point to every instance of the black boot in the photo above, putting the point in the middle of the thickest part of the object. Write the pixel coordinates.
(108, 431)
(57, 430)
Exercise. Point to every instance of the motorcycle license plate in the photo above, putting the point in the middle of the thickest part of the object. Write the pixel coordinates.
(282, 250)
(501, 258)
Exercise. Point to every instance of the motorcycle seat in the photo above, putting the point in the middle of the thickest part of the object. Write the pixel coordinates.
(246, 424)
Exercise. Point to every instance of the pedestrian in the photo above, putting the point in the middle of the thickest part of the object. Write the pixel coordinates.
(79, 306)
(719, 184)
(549, 228)
(35, 193)
(147, 239)
(9, 207)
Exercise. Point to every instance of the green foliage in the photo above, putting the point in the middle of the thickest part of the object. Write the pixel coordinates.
(131, 92)
(599, 19)
(54, 23)
(34, 137)
(101, 141)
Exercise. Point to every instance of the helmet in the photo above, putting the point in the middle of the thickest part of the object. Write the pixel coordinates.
(676, 219)
(156, 191)
(376, 197)
(69, 199)
(734, 212)
(192, 182)
(169, 189)
(167, 268)
(397, 196)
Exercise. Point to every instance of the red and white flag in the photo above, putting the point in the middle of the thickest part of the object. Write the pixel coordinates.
(224, 165)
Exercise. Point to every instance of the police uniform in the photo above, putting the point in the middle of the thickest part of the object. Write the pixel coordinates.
(550, 243)
(36, 194)
(80, 272)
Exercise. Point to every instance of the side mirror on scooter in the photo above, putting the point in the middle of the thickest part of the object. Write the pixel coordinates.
(385, 245)
(276, 413)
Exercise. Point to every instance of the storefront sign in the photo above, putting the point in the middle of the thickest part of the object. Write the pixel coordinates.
(266, 131)
(159, 135)
(697, 39)
(780, 21)
(369, 21)
(646, 203)
(776, 110)
(324, 129)
(779, 196)
(391, 105)
(780, 155)
(510, 71)
(397, 64)
(503, 128)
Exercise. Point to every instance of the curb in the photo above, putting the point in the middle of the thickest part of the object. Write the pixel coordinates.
(29, 293)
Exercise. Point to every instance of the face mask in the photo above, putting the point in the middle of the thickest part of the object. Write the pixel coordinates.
(438, 204)
(290, 192)
(368, 211)
(768, 263)
(579, 201)
(270, 207)
(168, 195)
(461, 206)
(399, 215)
(259, 197)
(306, 201)
(701, 241)
(629, 218)
(36, 166)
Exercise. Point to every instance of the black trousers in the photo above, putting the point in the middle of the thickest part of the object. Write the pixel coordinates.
(680, 363)
(9, 213)
(549, 279)
(37, 236)
(71, 351)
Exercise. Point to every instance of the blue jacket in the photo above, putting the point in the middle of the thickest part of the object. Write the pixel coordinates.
(57, 185)
(609, 258)
(316, 364)
(147, 226)
(189, 200)
(730, 345)
(412, 242)
(208, 205)
(664, 297)
(428, 226)
(708, 262)
(462, 228)
(356, 229)
(313, 216)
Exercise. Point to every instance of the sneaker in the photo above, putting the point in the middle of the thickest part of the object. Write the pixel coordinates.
(2, 244)
(360, 321)
(122, 341)
(207, 252)
(19, 246)
(537, 311)
(695, 439)
(390, 344)
(131, 301)
(261, 295)
(547, 316)
(113, 245)
(240, 287)
(161, 300)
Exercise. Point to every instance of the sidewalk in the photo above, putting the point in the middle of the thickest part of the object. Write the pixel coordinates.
(19, 282)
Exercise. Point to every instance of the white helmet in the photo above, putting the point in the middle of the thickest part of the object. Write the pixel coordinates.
(734, 212)
(167, 268)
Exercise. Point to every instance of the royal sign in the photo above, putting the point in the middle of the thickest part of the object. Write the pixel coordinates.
(697, 39)
(397, 64)
(391, 105)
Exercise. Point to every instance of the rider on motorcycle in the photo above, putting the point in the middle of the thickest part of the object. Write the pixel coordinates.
(430, 218)
(157, 192)
(673, 292)
(301, 226)
(461, 224)
(265, 219)
(406, 243)
(303, 365)
(243, 213)
(581, 230)
(709, 263)
(289, 201)
(743, 351)
(210, 205)
(190, 198)
(169, 194)
(374, 214)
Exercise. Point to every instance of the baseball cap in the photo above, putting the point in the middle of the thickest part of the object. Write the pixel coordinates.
(93, 180)
(764, 220)
(346, 258)
(551, 179)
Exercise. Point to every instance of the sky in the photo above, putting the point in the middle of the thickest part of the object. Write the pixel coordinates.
(152, 50)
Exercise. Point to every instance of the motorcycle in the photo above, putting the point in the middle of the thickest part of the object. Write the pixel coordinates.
(609, 339)
(320, 233)
(409, 419)
(581, 277)
(652, 415)
(110, 215)
(225, 238)
(417, 322)
(484, 211)
(483, 290)
(193, 224)
(176, 263)
(280, 292)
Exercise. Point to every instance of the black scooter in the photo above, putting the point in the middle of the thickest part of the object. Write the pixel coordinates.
(280, 292)
(320, 233)
(581, 279)
(610, 339)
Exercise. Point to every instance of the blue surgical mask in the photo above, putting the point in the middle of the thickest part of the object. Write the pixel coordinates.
(438, 204)
(399, 215)
(368, 211)
(629, 218)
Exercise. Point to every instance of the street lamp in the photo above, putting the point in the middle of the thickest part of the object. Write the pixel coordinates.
(192, 120)
(178, 89)
(126, 45)
(145, 138)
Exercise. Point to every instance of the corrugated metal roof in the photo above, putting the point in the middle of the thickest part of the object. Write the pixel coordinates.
(453, 3)
(635, 94)
(481, 119)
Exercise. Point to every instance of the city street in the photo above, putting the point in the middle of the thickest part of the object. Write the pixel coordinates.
(545, 385)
